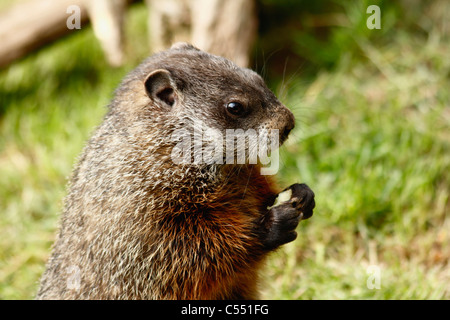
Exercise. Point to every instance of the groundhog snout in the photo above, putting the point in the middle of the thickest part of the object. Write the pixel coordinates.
(287, 122)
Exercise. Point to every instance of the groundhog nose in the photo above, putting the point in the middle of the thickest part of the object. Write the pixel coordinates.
(291, 121)
(285, 134)
(289, 124)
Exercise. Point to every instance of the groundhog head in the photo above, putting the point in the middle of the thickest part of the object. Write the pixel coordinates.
(221, 112)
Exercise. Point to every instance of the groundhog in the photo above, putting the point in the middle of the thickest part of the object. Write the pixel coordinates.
(138, 224)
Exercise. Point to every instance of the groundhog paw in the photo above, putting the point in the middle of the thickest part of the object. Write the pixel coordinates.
(302, 199)
(281, 221)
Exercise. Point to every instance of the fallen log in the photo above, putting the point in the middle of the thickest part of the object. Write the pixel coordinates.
(31, 24)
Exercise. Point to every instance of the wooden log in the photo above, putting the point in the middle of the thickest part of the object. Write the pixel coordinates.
(107, 19)
(32, 24)
(224, 27)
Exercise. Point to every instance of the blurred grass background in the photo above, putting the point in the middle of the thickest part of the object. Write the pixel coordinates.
(372, 140)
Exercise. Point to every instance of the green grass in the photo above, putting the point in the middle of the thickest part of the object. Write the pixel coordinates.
(372, 140)
(374, 144)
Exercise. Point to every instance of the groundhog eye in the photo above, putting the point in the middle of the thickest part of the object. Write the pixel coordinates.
(235, 109)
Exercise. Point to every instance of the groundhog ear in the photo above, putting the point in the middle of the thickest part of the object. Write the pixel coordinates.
(159, 87)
